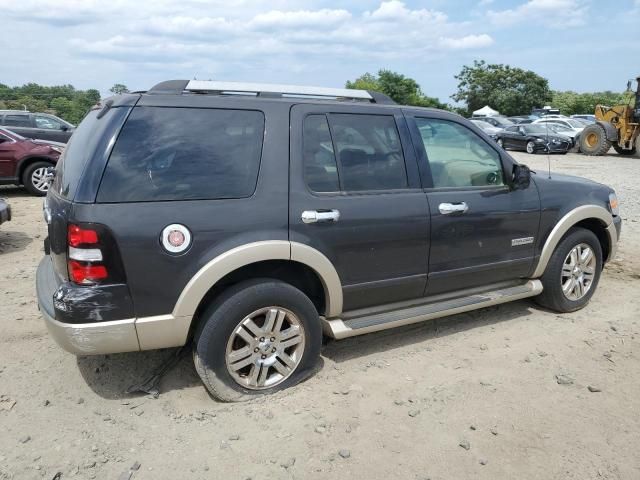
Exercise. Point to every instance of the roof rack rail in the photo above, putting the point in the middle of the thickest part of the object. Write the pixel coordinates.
(266, 90)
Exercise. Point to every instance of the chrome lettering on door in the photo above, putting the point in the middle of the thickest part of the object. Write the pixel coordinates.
(521, 241)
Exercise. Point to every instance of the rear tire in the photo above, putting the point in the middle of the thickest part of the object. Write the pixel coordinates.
(620, 151)
(565, 270)
(34, 178)
(531, 147)
(593, 140)
(258, 337)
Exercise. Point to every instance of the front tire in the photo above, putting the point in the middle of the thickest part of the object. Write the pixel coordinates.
(259, 337)
(35, 178)
(593, 140)
(573, 272)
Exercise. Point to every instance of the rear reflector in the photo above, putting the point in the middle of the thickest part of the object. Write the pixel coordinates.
(85, 254)
(79, 236)
(86, 274)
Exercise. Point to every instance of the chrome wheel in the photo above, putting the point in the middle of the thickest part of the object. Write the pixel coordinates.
(40, 180)
(578, 272)
(530, 147)
(265, 348)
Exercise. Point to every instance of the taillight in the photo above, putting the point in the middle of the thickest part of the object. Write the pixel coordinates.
(78, 236)
(86, 274)
(85, 256)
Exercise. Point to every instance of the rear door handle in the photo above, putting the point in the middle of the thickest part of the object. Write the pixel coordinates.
(320, 216)
(449, 208)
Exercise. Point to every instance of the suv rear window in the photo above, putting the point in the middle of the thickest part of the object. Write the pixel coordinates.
(184, 154)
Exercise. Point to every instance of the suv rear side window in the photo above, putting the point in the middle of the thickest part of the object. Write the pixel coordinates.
(368, 149)
(17, 121)
(184, 154)
(457, 156)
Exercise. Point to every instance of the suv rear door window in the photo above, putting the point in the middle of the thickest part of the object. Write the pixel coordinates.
(184, 154)
(457, 156)
(17, 121)
(368, 148)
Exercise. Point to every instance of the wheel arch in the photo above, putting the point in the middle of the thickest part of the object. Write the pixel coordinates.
(592, 217)
(610, 131)
(24, 163)
(258, 259)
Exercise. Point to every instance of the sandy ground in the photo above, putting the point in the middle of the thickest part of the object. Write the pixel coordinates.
(397, 404)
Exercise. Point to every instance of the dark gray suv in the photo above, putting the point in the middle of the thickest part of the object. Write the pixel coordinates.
(250, 219)
(39, 126)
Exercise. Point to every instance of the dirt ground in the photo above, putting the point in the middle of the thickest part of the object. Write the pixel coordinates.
(476, 395)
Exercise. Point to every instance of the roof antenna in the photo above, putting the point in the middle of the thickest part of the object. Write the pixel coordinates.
(546, 124)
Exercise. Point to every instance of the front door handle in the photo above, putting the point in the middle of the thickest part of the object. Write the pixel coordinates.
(449, 208)
(320, 216)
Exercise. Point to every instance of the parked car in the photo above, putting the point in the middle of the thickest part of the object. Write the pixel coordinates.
(349, 217)
(486, 127)
(533, 138)
(565, 132)
(570, 123)
(497, 121)
(5, 211)
(519, 119)
(589, 118)
(41, 126)
(25, 162)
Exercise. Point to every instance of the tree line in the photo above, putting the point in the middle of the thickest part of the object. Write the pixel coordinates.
(510, 90)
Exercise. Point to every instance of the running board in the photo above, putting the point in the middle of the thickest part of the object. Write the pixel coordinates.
(338, 328)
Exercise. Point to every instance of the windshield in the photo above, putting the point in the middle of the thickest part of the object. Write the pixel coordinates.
(503, 121)
(574, 123)
(12, 134)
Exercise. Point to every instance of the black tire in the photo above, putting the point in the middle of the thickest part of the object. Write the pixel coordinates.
(620, 151)
(593, 140)
(552, 296)
(30, 182)
(222, 317)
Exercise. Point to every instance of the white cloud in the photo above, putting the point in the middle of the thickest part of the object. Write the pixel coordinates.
(313, 33)
(553, 13)
(467, 42)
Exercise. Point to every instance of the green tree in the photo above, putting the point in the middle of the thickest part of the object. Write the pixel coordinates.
(62, 100)
(571, 103)
(401, 89)
(511, 91)
(118, 89)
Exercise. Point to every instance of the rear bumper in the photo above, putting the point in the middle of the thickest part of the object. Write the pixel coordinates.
(113, 336)
(5, 211)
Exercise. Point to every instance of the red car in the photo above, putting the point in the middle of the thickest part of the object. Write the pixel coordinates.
(25, 162)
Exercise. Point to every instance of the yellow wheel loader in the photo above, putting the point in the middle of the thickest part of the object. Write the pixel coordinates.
(617, 127)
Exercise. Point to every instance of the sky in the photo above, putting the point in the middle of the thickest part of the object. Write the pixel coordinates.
(577, 45)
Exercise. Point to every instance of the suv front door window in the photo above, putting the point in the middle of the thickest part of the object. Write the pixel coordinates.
(482, 230)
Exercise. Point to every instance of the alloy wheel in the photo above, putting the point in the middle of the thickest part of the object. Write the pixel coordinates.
(265, 348)
(578, 272)
(40, 180)
(530, 147)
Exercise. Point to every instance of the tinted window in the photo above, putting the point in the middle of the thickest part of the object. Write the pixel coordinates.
(75, 156)
(47, 122)
(184, 154)
(320, 168)
(457, 156)
(369, 152)
(17, 121)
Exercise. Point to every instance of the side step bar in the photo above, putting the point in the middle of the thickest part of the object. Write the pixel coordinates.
(338, 328)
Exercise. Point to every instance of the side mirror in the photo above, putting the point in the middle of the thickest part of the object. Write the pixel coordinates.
(521, 176)
(64, 128)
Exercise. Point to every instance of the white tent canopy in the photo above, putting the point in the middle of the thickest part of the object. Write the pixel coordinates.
(486, 111)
